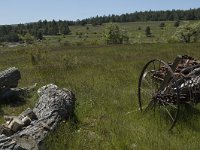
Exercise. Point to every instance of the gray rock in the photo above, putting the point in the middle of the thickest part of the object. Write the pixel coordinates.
(9, 78)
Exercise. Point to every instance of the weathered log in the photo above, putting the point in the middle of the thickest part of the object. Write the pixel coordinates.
(9, 78)
(54, 105)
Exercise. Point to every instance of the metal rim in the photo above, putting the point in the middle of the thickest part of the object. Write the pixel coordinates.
(154, 87)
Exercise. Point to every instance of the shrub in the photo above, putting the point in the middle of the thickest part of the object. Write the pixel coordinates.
(94, 42)
(33, 60)
(28, 38)
(162, 25)
(79, 34)
(176, 23)
(187, 33)
(113, 34)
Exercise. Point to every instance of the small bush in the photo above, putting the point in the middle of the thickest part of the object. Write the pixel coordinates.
(162, 25)
(113, 34)
(187, 33)
(33, 60)
(28, 38)
(173, 39)
(79, 34)
(176, 23)
(94, 42)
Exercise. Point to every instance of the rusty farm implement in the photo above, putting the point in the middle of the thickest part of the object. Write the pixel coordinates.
(167, 86)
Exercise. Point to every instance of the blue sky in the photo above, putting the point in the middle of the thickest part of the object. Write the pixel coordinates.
(22, 11)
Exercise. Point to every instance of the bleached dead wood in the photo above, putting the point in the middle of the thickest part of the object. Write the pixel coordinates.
(54, 105)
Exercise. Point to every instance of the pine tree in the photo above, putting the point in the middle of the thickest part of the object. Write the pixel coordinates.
(148, 31)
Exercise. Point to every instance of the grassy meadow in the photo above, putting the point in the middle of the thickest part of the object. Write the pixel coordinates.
(104, 79)
(93, 35)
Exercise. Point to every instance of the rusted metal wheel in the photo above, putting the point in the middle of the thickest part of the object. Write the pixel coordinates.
(158, 90)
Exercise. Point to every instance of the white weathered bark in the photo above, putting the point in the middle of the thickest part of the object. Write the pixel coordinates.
(54, 105)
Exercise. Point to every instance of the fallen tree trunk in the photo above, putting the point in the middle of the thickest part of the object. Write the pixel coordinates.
(9, 78)
(32, 126)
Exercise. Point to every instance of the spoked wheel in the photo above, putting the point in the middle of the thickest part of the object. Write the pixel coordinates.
(158, 90)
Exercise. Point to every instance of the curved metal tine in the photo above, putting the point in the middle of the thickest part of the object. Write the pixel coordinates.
(171, 105)
(167, 79)
(167, 111)
(149, 106)
(165, 102)
(152, 104)
(169, 86)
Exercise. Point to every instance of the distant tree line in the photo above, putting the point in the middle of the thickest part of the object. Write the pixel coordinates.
(169, 15)
(13, 33)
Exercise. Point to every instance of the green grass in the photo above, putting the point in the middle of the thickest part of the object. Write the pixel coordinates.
(104, 80)
(94, 33)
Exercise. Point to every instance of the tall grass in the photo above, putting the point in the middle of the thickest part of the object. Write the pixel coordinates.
(104, 80)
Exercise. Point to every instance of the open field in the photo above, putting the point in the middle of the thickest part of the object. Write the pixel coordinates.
(104, 80)
(92, 35)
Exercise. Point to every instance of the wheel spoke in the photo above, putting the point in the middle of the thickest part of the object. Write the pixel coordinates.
(149, 84)
(152, 93)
